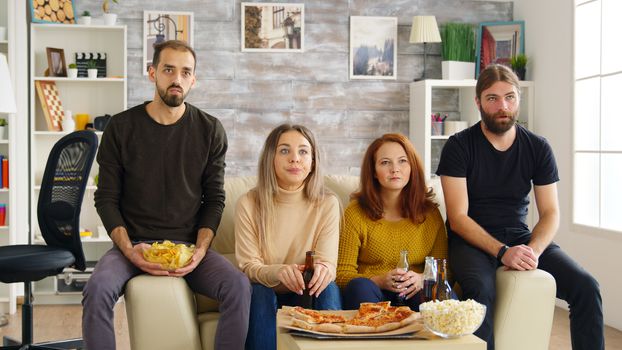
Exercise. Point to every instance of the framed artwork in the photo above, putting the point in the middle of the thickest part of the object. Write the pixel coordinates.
(50, 104)
(498, 42)
(160, 26)
(54, 11)
(272, 27)
(373, 49)
(56, 62)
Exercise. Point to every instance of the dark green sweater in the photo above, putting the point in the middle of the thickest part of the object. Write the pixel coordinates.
(161, 181)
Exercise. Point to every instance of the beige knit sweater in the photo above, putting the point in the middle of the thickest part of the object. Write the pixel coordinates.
(300, 226)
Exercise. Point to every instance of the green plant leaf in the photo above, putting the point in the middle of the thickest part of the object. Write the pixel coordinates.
(458, 42)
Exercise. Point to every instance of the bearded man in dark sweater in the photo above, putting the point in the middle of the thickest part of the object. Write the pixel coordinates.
(161, 176)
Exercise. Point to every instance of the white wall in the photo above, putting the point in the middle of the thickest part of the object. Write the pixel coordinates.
(549, 45)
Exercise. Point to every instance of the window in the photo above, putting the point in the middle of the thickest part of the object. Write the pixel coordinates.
(597, 114)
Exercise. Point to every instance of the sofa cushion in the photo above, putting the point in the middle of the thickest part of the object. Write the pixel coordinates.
(235, 187)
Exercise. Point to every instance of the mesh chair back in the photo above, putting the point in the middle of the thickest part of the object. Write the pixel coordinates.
(62, 190)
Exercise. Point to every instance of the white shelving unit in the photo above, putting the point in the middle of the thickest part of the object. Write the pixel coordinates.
(421, 109)
(94, 97)
(8, 292)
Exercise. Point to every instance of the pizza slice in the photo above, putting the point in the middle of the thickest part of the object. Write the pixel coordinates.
(315, 317)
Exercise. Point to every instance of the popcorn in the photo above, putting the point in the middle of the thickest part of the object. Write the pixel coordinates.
(452, 318)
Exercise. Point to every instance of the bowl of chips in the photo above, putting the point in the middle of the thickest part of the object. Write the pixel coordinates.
(452, 318)
(168, 254)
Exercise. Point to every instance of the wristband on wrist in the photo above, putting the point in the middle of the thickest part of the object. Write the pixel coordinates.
(502, 252)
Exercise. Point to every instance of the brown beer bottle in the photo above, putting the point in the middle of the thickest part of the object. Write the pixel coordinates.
(307, 301)
(442, 289)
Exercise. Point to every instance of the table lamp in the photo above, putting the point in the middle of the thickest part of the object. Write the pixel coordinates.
(424, 30)
(7, 99)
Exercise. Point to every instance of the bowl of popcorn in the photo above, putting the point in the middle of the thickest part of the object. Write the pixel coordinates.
(452, 318)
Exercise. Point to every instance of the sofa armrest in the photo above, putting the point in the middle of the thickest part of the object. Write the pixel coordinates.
(524, 309)
(161, 314)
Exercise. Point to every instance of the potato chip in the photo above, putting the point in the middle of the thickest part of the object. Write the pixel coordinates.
(168, 254)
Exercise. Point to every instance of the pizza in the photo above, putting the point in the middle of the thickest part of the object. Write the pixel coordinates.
(370, 318)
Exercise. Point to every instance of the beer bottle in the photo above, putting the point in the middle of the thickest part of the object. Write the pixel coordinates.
(429, 279)
(402, 264)
(442, 288)
(307, 301)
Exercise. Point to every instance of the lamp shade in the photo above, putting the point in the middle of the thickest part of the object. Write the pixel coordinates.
(7, 99)
(424, 30)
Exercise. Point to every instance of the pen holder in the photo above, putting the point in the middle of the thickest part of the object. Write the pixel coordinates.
(437, 128)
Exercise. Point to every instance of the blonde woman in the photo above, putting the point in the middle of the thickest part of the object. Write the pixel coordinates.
(288, 213)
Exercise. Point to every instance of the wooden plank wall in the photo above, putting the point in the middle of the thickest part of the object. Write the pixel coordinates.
(253, 92)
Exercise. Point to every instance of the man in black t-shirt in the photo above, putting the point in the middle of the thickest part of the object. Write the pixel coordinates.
(487, 172)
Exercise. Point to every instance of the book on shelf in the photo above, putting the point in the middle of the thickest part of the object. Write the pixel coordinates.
(5, 172)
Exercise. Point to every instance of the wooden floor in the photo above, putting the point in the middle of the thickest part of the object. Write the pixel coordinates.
(62, 322)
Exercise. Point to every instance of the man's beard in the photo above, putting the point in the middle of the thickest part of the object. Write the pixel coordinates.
(498, 126)
(172, 100)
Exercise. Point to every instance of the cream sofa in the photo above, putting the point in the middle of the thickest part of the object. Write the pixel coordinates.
(163, 313)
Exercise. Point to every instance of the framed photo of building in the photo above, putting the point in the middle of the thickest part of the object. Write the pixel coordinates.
(498, 42)
(373, 51)
(160, 26)
(272, 27)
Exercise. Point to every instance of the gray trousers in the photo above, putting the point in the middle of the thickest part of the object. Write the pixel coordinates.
(214, 277)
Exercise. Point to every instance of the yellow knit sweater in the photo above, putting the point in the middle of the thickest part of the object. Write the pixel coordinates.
(368, 248)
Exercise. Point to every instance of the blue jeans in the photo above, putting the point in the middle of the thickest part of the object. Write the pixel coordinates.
(264, 303)
(363, 290)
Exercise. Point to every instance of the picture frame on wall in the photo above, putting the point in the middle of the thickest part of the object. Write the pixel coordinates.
(373, 47)
(56, 12)
(272, 27)
(498, 42)
(160, 26)
(56, 62)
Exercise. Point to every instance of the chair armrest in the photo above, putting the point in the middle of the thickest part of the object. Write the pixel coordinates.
(161, 314)
(524, 309)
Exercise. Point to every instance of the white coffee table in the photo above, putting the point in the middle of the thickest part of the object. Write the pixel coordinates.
(287, 341)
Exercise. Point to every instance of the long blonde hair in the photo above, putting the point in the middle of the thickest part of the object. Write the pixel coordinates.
(267, 187)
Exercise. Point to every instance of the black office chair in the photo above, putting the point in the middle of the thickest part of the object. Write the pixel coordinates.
(58, 212)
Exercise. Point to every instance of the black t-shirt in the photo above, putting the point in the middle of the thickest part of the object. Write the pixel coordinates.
(498, 183)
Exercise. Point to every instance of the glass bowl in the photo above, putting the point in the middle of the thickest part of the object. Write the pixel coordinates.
(452, 318)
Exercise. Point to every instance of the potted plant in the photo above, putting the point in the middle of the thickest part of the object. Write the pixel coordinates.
(109, 18)
(458, 51)
(519, 65)
(72, 71)
(91, 68)
(85, 18)
(3, 126)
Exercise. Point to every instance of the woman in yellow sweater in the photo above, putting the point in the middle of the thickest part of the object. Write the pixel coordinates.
(288, 213)
(393, 211)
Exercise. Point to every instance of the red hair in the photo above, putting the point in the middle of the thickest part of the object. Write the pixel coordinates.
(416, 198)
